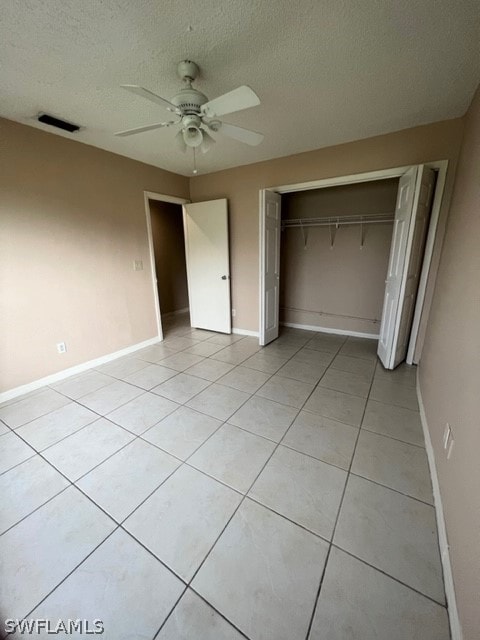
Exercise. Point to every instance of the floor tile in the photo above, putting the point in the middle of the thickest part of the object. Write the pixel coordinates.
(233, 355)
(396, 422)
(123, 481)
(110, 582)
(392, 532)
(263, 574)
(264, 417)
(181, 361)
(180, 522)
(142, 412)
(110, 397)
(122, 367)
(56, 425)
(302, 489)
(244, 379)
(314, 357)
(155, 353)
(395, 464)
(13, 451)
(303, 371)
(356, 601)
(34, 406)
(150, 376)
(27, 487)
(225, 339)
(218, 401)
(278, 349)
(384, 390)
(233, 456)
(358, 366)
(66, 530)
(261, 361)
(360, 348)
(180, 343)
(193, 618)
(346, 382)
(286, 391)
(404, 374)
(337, 405)
(181, 388)
(204, 348)
(322, 438)
(182, 432)
(80, 385)
(86, 448)
(329, 343)
(3, 429)
(210, 369)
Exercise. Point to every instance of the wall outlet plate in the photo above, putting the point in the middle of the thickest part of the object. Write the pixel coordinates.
(138, 265)
(61, 347)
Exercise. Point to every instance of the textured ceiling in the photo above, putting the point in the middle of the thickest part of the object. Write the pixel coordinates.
(327, 71)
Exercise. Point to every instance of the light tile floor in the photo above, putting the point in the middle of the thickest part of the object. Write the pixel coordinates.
(207, 489)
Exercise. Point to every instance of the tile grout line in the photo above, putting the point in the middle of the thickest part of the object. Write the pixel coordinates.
(312, 617)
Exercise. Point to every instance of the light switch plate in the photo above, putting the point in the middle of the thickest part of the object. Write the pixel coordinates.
(138, 265)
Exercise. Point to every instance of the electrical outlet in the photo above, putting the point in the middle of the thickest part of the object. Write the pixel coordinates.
(234, 313)
(61, 347)
(138, 265)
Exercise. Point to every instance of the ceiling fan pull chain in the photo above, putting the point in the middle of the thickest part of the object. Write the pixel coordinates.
(194, 161)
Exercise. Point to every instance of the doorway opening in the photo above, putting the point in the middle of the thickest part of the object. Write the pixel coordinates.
(189, 261)
(351, 255)
(170, 262)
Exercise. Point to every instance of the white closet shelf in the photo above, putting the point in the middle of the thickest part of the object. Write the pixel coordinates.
(334, 222)
(338, 221)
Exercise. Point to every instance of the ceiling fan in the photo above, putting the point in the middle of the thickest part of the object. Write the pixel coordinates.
(197, 115)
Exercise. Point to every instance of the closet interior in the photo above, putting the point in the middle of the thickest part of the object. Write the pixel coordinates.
(335, 246)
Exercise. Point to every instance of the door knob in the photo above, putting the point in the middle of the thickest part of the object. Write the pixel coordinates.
(225, 277)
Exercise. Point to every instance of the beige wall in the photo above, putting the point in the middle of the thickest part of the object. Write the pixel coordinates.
(450, 376)
(72, 221)
(340, 287)
(438, 141)
(169, 247)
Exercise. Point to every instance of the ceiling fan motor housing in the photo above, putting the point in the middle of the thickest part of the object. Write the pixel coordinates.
(189, 100)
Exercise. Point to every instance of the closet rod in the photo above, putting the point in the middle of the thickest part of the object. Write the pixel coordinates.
(338, 221)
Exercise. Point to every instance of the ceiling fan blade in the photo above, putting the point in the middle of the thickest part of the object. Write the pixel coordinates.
(242, 135)
(180, 141)
(240, 98)
(148, 127)
(145, 93)
(207, 142)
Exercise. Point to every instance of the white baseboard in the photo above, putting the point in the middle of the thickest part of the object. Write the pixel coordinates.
(245, 332)
(455, 627)
(340, 332)
(72, 371)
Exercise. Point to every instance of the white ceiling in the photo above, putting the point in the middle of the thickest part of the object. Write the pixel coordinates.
(327, 71)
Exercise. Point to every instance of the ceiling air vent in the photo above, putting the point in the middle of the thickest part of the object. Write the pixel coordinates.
(56, 122)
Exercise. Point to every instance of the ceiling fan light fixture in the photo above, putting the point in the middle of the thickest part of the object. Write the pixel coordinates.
(192, 136)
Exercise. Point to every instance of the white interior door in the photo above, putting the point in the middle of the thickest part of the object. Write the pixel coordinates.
(208, 264)
(412, 212)
(270, 227)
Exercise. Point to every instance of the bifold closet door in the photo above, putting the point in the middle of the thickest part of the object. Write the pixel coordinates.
(412, 212)
(270, 227)
(208, 265)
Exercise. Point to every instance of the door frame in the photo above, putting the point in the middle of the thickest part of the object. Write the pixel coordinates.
(159, 197)
(440, 166)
